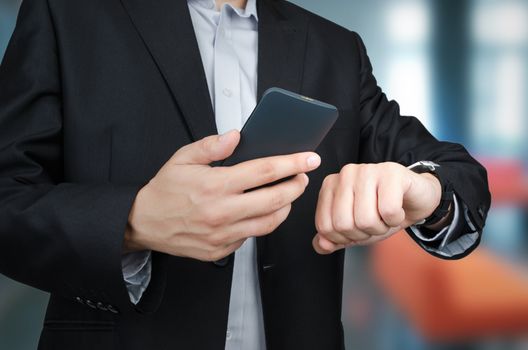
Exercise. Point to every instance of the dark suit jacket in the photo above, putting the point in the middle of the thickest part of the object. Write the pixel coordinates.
(95, 95)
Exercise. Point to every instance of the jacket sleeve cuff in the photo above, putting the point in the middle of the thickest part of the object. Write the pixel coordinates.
(454, 241)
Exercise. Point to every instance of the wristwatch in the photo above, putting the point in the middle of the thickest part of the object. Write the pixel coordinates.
(441, 211)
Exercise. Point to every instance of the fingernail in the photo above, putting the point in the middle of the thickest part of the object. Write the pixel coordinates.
(313, 161)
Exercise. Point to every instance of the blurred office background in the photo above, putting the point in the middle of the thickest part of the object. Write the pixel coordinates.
(461, 66)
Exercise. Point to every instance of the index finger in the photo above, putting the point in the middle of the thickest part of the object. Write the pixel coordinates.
(261, 171)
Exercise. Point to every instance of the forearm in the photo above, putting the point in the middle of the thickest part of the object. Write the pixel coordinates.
(65, 239)
(388, 136)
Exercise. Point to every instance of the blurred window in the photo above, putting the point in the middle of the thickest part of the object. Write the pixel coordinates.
(499, 32)
(407, 80)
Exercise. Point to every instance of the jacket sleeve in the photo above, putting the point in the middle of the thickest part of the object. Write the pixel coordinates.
(62, 237)
(388, 136)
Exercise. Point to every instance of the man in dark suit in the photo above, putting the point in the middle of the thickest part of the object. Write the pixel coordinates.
(108, 201)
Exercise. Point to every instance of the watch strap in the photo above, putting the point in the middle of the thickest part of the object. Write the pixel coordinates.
(447, 191)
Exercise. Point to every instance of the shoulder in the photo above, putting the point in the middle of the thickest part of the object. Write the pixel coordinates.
(321, 32)
(315, 22)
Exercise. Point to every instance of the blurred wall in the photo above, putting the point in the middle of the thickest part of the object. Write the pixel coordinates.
(458, 65)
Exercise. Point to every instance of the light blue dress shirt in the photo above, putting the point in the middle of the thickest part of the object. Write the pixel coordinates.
(228, 43)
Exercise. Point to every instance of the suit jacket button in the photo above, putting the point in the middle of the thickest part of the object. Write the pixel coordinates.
(101, 306)
(267, 267)
(112, 309)
(91, 304)
(79, 300)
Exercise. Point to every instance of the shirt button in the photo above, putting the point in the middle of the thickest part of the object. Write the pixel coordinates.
(228, 335)
(227, 92)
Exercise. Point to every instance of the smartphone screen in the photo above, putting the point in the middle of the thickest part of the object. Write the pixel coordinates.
(283, 122)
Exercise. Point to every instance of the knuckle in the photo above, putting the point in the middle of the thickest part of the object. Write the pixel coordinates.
(210, 188)
(342, 224)
(213, 255)
(387, 210)
(282, 214)
(319, 227)
(348, 169)
(272, 223)
(365, 223)
(285, 212)
(358, 236)
(323, 227)
(214, 218)
(206, 256)
(334, 238)
(277, 201)
(345, 179)
(343, 239)
(215, 240)
(367, 170)
(329, 180)
(227, 182)
(253, 229)
(268, 171)
(393, 166)
(361, 167)
(389, 213)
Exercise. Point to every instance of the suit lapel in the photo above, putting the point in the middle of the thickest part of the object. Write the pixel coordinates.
(282, 44)
(167, 31)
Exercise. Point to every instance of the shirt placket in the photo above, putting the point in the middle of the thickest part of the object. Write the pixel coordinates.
(228, 109)
(228, 116)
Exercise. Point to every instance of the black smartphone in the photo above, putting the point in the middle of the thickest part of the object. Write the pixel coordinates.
(283, 122)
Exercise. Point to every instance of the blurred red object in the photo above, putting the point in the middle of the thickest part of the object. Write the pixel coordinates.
(479, 296)
(507, 181)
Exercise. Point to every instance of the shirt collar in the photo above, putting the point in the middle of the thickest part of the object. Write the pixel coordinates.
(250, 10)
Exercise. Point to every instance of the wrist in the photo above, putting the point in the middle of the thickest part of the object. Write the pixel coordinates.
(132, 241)
(130, 244)
(440, 194)
(446, 220)
(435, 190)
(441, 213)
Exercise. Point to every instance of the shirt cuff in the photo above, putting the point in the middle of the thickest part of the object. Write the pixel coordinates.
(450, 242)
(137, 271)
